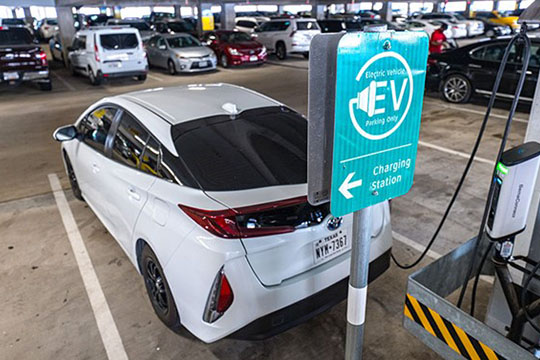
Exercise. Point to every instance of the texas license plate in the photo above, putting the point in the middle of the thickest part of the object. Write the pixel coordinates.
(11, 76)
(253, 58)
(116, 64)
(330, 246)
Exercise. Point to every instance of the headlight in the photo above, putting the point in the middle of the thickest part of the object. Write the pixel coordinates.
(234, 52)
(180, 56)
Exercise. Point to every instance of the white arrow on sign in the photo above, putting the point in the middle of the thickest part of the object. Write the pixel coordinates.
(348, 185)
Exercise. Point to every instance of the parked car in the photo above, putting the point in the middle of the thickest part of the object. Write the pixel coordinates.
(17, 22)
(55, 47)
(249, 24)
(156, 16)
(180, 53)
(108, 52)
(47, 28)
(497, 18)
(473, 27)
(286, 36)
(469, 70)
(204, 188)
(175, 26)
(370, 14)
(338, 25)
(429, 26)
(145, 30)
(493, 30)
(22, 59)
(97, 19)
(235, 48)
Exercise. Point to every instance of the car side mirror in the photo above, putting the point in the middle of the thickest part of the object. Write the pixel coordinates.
(65, 133)
(162, 47)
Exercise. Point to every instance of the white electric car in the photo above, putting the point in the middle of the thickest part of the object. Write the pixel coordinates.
(204, 188)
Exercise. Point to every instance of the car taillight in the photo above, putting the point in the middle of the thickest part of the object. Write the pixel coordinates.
(245, 222)
(455, 27)
(220, 298)
(96, 52)
(43, 57)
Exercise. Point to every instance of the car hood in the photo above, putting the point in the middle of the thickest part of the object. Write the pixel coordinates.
(196, 51)
(247, 45)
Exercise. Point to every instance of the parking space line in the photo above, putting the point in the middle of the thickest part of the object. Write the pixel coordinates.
(63, 81)
(454, 152)
(154, 77)
(478, 112)
(105, 322)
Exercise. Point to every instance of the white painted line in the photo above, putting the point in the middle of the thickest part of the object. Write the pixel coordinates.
(432, 254)
(474, 111)
(63, 81)
(155, 77)
(454, 152)
(356, 305)
(374, 153)
(105, 322)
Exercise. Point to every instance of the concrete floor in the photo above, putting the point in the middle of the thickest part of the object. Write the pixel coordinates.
(46, 312)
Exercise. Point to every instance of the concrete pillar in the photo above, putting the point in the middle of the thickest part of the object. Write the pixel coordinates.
(468, 8)
(177, 11)
(117, 12)
(14, 13)
(280, 9)
(227, 17)
(27, 15)
(318, 11)
(386, 11)
(496, 5)
(200, 8)
(67, 28)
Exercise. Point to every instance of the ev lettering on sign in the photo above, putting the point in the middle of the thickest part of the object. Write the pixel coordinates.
(379, 91)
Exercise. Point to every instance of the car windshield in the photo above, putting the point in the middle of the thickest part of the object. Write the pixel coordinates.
(182, 42)
(141, 26)
(180, 26)
(15, 36)
(237, 37)
(13, 22)
(307, 25)
(257, 148)
(119, 41)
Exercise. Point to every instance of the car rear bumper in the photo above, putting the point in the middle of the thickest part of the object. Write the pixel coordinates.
(40, 76)
(122, 74)
(300, 312)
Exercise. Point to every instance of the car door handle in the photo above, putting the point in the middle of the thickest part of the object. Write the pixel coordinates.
(134, 194)
(95, 168)
(526, 72)
(474, 66)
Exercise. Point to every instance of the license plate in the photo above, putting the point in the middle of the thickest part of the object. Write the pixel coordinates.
(11, 76)
(117, 64)
(253, 58)
(330, 246)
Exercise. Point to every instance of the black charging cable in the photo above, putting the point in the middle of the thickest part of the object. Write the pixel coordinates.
(521, 36)
(524, 293)
(496, 85)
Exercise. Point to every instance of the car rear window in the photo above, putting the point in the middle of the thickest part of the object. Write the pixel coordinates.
(13, 22)
(118, 41)
(257, 148)
(307, 25)
(15, 36)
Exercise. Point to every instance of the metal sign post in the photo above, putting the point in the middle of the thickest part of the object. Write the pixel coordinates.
(365, 102)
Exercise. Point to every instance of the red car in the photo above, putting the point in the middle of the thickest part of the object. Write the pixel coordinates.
(235, 48)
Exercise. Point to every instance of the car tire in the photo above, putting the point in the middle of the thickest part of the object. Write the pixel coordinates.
(73, 180)
(45, 86)
(171, 68)
(224, 61)
(281, 51)
(158, 290)
(141, 77)
(456, 89)
(95, 79)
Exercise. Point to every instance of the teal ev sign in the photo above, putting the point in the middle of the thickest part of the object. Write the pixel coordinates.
(378, 104)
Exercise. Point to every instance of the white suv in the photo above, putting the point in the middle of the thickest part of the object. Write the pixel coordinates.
(108, 52)
(285, 36)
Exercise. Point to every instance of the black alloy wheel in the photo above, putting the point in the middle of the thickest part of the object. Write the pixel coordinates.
(158, 290)
(224, 61)
(171, 68)
(281, 51)
(73, 180)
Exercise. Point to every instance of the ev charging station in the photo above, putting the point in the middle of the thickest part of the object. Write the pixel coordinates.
(364, 123)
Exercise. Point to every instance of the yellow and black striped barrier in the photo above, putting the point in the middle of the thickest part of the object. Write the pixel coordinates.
(452, 335)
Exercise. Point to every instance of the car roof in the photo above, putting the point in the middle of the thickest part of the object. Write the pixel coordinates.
(108, 29)
(190, 102)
